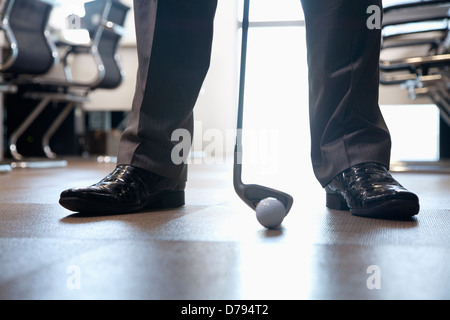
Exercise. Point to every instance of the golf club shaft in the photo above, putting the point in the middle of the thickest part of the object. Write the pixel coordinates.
(237, 175)
(240, 114)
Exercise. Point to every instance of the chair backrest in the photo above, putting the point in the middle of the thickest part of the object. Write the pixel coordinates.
(403, 4)
(100, 19)
(24, 23)
(416, 11)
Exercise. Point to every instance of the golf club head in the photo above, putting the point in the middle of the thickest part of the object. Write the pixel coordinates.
(252, 194)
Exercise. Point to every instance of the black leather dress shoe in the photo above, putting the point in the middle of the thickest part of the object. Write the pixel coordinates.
(127, 189)
(369, 190)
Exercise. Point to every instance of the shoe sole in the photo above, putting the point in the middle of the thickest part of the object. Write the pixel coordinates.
(392, 209)
(163, 200)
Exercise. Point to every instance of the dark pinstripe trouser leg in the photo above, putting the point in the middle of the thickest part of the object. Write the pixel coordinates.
(174, 40)
(347, 127)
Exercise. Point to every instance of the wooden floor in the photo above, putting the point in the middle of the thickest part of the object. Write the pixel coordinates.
(214, 248)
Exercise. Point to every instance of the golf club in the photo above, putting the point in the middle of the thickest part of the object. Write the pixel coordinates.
(251, 194)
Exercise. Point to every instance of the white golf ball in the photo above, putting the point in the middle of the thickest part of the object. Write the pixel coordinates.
(270, 212)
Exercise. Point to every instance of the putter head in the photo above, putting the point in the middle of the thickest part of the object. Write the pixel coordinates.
(252, 194)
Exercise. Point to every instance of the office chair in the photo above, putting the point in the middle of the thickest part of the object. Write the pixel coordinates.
(28, 50)
(414, 26)
(104, 20)
(415, 54)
